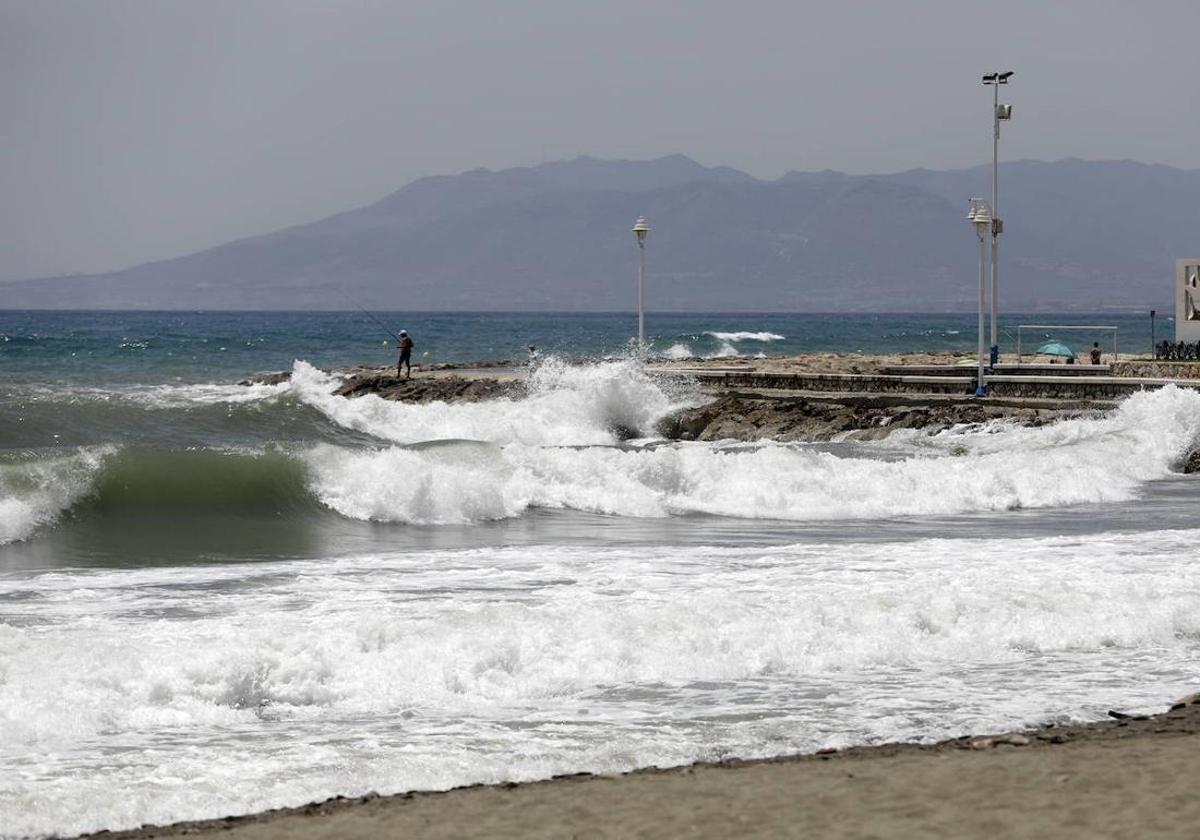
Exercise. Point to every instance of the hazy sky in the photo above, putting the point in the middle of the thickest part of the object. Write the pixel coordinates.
(139, 129)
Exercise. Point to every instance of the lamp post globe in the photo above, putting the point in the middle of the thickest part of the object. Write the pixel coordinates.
(640, 229)
(980, 216)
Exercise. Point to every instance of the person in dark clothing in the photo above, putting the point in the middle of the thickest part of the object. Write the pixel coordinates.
(406, 346)
(1095, 354)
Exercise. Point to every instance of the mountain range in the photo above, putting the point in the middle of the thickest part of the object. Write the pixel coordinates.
(1079, 236)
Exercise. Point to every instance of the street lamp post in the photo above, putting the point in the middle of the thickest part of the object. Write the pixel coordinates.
(640, 229)
(980, 215)
(999, 112)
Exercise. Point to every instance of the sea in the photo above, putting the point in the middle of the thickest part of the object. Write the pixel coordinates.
(219, 598)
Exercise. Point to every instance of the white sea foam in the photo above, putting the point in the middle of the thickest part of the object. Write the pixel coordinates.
(678, 351)
(746, 336)
(998, 467)
(566, 404)
(554, 450)
(235, 688)
(459, 481)
(156, 396)
(182, 396)
(35, 491)
(725, 351)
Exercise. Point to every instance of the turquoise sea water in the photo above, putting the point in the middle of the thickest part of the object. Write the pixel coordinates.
(156, 347)
(218, 599)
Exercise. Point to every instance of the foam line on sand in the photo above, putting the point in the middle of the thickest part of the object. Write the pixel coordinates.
(1126, 777)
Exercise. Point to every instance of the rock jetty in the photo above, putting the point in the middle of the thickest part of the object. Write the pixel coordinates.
(444, 383)
(757, 417)
(731, 415)
(426, 389)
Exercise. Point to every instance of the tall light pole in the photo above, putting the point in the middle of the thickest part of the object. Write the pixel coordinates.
(640, 229)
(980, 215)
(999, 112)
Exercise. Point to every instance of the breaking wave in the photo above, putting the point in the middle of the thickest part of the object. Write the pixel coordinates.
(746, 336)
(995, 468)
(558, 448)
(563, 405)
(36, 488)
(568, 461)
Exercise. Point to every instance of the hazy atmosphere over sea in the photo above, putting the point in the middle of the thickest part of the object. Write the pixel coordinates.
(138, 131)
(222, 593)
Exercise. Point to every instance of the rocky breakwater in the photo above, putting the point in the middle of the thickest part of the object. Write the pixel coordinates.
(734, 415)
(755, 417)
(425, 389)
(441, 385)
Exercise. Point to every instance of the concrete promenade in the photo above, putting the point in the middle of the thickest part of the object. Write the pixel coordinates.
(1008, 382)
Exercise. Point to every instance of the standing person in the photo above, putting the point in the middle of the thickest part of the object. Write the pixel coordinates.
(1095, 354)
(406, 346)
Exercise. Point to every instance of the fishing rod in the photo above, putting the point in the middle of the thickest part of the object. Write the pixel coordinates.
(377, 321)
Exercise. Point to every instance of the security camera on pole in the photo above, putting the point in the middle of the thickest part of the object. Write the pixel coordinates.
(999, 112)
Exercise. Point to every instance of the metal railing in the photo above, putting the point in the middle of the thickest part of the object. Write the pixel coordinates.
(1179, 351)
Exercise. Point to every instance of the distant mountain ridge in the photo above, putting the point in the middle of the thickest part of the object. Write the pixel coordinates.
(1080, 235)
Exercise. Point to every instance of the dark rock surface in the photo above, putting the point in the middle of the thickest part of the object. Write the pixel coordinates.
(425, 389)
(267, 378)
(744, 417)
(420, 388)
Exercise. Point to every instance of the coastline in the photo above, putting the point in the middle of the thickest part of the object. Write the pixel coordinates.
(1130, 776)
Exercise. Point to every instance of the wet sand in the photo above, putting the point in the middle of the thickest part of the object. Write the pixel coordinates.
(1129, 778)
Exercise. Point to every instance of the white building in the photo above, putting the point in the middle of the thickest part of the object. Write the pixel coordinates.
(1187, 299)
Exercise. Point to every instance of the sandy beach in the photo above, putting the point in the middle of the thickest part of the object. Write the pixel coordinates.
(1121, 778)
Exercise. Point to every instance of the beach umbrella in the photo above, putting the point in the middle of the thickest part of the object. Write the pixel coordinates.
(1056, 348)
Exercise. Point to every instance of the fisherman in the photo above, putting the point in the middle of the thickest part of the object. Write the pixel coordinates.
(406, 346)
(1095, 354)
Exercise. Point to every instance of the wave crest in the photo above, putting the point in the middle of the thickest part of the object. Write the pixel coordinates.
(746, 336)
(564, 405)
(35, 490)
(998, 467)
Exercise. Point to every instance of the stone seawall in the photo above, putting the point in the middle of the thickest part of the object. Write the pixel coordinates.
(1091, 388)
(1157, 370)
(844, 383)
(1074, 388)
